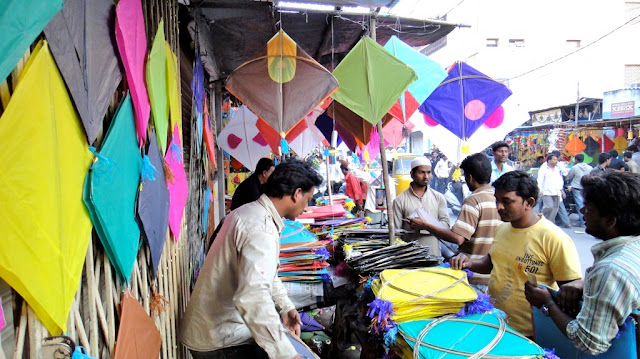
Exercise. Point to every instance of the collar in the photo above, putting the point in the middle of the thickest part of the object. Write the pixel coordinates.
(484, 188)
(414, 193)
(601, 249)
(266, 202)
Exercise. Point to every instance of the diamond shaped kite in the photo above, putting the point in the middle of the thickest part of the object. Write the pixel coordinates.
(111, 188)
(575, 146)
(620, 143)
(176, 183)
(464, 100)
(240, 138)
(608, 143)
(156, 76)
(45, 228)
(282, 84)
(371, 80)
(592, 146)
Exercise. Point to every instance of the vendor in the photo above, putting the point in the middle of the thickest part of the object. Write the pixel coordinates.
(420, 195)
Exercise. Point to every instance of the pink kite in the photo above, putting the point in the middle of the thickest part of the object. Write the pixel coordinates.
(132, 44)
(2, 321)
(394, 132)
(177, 184)
(208, 132)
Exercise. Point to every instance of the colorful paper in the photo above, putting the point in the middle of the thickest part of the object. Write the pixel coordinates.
(240, 138)
(177, 184)
(156, 76)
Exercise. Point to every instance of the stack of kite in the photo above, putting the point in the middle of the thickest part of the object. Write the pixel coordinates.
(405, 255)
(358, 241)
(332, 228)
(303, 258)
(478, 335)
(323, 212)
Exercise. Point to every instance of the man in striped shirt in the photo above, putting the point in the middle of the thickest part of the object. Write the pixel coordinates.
(612, 286)
(476, 225)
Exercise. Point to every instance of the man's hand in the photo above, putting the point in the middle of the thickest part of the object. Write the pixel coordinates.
(416, 223)
(460, 262)
(569, 297)
(536, 295)
(564, 194)
(292, 321)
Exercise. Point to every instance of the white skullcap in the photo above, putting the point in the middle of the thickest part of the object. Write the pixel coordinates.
(420, 161)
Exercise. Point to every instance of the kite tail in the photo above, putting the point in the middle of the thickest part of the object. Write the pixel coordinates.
(158, 304)
(167, 172)
(482, 304)
(550, 354)
(323, 252)
(390, 336)
(380, 311)
(148, 169)
(284, 145)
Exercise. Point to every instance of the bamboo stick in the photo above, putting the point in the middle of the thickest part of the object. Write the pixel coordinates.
(93, 329)
(111, 337)
(22, 329)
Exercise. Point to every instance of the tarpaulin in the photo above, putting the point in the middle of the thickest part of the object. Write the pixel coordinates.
(45, 228)
(110, 191)
(82, 41)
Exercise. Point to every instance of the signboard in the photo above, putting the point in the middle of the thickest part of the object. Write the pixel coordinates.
(621, 104)
(546, 117)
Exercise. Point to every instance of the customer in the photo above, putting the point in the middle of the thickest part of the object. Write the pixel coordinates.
(576, 173)
(551, 187)
(628, 158)
(499, 166)
(603, 162)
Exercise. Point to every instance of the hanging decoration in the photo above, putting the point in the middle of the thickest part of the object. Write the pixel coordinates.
(156, 76)
(176, 183)
(44, 224)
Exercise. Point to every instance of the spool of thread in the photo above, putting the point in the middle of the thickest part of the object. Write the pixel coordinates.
(334, 139)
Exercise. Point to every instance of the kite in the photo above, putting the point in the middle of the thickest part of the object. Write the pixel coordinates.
(177, 183)
(575, 146)
(175, 107)
(240, 138)
(132, 44)
(395, 131)
(138, 336)
(608, 143)
(464, 100)
(620, 144)
(356, 125)
(92, 74)
(197, 88)
(371, 81)
(44, 223)
(111, 188)
(282, 83)
(21, 21)
(153, 203)
(430, 75)
(156, 76)
(592, 146)
(208, 133)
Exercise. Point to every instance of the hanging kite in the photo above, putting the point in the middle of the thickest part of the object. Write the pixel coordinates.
(355, 124)
(138, 336)
(111, 188)
(282, 84)
(175, 107)
(176, 183)
(197, 88)
(208, 132)
(608, 144)
(153, 203)
(592, 146)
(371, 81)
(395, 132)
(620, 144)
(240, 138)
(575, 145)
(430, 75)
(44, 224)
(21, 21)
(464, 100)
(156, 76)
(92, 74)
(132, 44)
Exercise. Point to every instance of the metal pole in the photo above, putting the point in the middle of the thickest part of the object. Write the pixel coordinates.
(383, 155)
(577, 104)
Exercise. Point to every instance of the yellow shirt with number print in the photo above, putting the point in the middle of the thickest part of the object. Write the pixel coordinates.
(543, 250)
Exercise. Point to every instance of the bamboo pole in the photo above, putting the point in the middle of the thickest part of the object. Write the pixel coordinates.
(22, 329)
(93, 329)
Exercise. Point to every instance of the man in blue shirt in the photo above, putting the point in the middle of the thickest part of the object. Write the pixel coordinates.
(499, 166)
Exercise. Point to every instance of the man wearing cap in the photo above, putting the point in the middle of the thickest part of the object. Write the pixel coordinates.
(420, 195)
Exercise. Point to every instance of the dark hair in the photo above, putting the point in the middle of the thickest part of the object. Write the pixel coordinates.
(289, 176)
(579, 157)
(557, 153)
(344, 167)
(497, 145)
(603, 157)
(628, 154)
(616, 194)
(613, 153)
(633, 148)
(521, 182)
(263, 165)
(551, 155)
(478, 165)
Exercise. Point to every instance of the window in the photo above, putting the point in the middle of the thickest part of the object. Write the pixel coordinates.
(573, 43)
(516, 42)
(493, 42)
(631, 75)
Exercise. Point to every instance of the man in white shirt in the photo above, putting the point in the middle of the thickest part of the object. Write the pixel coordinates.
(499, 166)
(443, 167)
(551, 185)
(239, 305)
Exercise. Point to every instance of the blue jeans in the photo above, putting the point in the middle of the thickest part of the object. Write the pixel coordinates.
(579, 199)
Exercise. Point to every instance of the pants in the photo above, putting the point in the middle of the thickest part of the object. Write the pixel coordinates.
(247, 351)
(550, 207)
(563, 216)
(579, 199)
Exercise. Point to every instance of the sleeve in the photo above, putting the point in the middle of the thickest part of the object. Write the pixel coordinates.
(542, 172)
(571, 174)
(280, 297)
(443, 211)
(257, 268)
(357, 189)
(607, 301)
(563, 258)
(468, 219)
(397, 213)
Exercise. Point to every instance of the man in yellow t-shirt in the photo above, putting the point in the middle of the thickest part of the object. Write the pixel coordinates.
(527, 245)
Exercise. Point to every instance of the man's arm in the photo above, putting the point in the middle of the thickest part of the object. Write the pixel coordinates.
(257, 268)
(481, 265)
(397, 214)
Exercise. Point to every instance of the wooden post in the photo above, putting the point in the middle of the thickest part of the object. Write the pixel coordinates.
(383, 155)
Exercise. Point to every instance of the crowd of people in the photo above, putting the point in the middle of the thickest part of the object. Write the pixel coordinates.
(505, 233)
